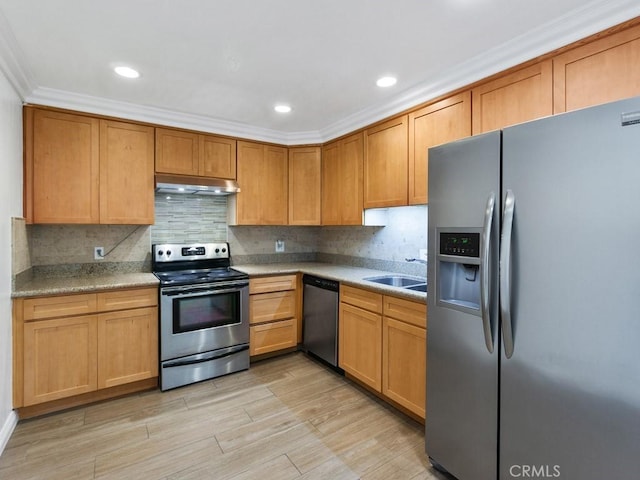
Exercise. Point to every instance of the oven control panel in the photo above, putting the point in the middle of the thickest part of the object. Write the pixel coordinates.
(174, 252)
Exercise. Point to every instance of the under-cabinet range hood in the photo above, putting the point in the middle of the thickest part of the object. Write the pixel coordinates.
(186, 185)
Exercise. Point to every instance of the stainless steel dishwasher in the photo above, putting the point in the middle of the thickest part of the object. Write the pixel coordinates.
(320, 318)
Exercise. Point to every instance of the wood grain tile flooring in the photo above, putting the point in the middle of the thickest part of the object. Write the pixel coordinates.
(284, 418)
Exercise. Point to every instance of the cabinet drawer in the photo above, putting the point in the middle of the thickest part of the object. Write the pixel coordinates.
(63, 306)
(267, 307)
(272, 336)
(361, 298)
(125, 299)
(272, 284)
(410, 312)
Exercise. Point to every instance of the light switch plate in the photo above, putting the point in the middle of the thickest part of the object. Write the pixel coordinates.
(423, 254)
(279, 246)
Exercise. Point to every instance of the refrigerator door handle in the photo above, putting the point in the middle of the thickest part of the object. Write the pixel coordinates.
(484, 278)
(505, 273)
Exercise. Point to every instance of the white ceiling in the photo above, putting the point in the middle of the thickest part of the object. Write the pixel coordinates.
(221, 65)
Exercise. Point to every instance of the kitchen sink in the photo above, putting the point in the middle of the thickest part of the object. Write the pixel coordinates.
(421, 287)
(402, 281)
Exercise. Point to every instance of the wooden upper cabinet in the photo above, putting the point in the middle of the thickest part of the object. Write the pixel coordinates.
(263, 179)
(177, 152)
(604, 70)
(342, 181)
(187, 153)
(62, 167)
(126, 173)
(386, 164)
(217, 157)
(80, 169)
(513, 98)
(304, 185)
(440, 122)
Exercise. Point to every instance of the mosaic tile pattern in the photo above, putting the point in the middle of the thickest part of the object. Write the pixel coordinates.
(190, 219)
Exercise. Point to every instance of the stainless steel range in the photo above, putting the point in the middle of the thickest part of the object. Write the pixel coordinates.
(204, 313)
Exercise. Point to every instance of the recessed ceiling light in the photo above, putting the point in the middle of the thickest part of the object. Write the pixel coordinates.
(386, 81)
(127, 72)
(282, 108)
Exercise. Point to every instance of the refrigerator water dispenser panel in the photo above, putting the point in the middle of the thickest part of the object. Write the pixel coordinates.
(458, 270)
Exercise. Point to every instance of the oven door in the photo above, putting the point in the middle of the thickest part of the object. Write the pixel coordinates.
(200, 318)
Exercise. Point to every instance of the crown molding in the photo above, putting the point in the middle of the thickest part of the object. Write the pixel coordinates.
(591, 18)
(142, 113)
(15, 71)
(577, 24)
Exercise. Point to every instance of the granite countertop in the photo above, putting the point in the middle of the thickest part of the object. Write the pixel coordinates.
(83, 283)
(352, 276)
(90, 283)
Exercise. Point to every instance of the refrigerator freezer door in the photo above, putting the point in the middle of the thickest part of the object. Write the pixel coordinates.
(570, 394)
(462, 374)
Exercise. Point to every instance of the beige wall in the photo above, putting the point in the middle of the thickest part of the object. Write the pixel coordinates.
(10, 206)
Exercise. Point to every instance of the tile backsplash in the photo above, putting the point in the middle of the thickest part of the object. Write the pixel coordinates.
(188, 218)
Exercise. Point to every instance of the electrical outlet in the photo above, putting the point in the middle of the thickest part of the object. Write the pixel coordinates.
(279, 246)
(98, 253)
(423, 254)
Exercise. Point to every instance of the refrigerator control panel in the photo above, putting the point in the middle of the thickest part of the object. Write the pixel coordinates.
(460, 244)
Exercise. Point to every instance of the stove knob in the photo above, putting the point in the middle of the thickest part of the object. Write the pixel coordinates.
(217, 250)
(224, 250)
(168, 252)
(160, 253)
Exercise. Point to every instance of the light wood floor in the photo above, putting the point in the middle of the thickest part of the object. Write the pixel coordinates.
(285, 418)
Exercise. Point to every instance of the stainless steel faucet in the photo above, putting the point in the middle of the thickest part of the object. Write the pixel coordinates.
(419, 260)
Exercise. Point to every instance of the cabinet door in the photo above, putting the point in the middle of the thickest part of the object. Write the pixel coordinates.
(360, 345)
(602, 71)
(59, 358)
(350, 170)
(266, 307)
(386, 164)
(331, 193)
(513, 98)
(127, 346)
(62, 167)
(275, 182)
(276, 283)
(270, 337)
(250, 177)
(177, 152)
(217, 157)
(441, 122)
(126, 173)
(404, 373)
(262, 175)
(304, 186)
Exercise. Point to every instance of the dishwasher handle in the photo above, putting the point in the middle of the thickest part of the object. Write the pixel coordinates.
(323, 283)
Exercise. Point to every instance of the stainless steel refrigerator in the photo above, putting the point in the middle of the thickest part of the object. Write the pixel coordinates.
(533, 363)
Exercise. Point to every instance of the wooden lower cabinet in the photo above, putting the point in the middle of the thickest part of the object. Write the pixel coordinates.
(360, 345)
(382, 344)
(60, 353)
(404, 373)
(60, 358)
(270, 337)
(127, 346)
(273, 313)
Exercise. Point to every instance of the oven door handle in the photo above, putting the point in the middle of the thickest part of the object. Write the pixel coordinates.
(198, 293)
(214, 356)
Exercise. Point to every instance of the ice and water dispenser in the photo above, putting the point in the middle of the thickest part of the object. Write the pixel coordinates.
(458, 265)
